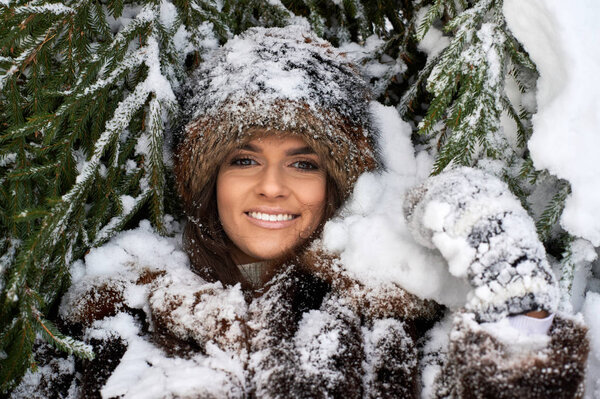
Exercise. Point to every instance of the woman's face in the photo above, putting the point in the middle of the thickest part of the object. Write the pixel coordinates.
(270, 196)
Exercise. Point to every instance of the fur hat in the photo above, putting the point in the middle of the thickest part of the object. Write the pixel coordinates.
(275, 80)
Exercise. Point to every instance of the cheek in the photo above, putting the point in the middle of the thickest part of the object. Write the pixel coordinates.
(227, 199)
(314, 196)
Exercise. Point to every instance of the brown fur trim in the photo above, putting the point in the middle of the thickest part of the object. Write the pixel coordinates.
(272, 360)
(480, 366)
(382, 301)
(98, 297)
(199, 313)
(147, 276)
(392, 361)
(295, 358)
(94, 301)
(95, 372)
(330, 369)
(53, 378)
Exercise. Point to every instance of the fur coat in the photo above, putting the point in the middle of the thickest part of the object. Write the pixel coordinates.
(301, 337)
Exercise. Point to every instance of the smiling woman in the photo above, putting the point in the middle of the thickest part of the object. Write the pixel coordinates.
(279, 127)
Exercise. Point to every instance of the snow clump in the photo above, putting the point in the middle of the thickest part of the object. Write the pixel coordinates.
(561, 38)
(370, 233)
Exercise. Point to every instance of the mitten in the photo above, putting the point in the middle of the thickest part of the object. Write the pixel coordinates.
(487, 237)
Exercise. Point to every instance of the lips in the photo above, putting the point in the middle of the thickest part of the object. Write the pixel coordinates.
(271, 219)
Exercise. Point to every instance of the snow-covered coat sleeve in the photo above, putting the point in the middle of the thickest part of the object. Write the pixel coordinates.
(489, 239)
(484, 362)
(158, 333)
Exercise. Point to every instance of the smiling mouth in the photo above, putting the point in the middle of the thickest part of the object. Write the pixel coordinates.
(269, 217)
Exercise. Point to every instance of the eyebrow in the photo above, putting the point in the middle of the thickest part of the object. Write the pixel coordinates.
(306, 150)
(300, 151)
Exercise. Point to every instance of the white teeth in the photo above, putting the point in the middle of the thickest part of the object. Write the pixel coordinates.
(269, 217)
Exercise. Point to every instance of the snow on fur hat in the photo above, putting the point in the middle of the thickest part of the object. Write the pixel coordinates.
(278, 80)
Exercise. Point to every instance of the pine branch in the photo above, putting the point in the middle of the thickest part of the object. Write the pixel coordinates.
(409, 98)
(31, 215)
(34, 125)
(155, 174)
(9, 251)
(117, 223)
(528, 171)
(467, 83)
(515, 184)
(567, 275)
(71, 141)
(46, 9)
(64, 343)
(551, 215)
(15, 341)
(523, 132)
(434, 12)
(31, 172)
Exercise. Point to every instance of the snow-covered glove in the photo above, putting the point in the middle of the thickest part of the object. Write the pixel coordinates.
(486, 236)
(484, 362)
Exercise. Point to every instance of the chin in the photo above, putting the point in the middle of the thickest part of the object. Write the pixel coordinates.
(269, 253)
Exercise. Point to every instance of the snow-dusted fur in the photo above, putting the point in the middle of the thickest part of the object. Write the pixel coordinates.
(480, 365)
(283, 80)
(175, 335)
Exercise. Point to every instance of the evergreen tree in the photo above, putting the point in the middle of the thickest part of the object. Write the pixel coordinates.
(87, 107)
(87, 96)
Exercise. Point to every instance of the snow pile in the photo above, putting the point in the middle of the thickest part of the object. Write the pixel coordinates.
(562, 39)
(141, 246)
(370, 234)
(146, 371)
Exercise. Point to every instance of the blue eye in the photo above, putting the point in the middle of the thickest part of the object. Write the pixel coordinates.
(243, 162)
(305, 165)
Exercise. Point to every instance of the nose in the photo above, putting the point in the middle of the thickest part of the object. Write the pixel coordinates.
(272, 182)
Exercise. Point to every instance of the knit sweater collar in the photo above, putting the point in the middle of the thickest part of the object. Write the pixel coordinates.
(255, 273)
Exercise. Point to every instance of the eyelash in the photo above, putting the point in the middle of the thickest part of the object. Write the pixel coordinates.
(238, 161)
(310, 165)
(244, 161)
